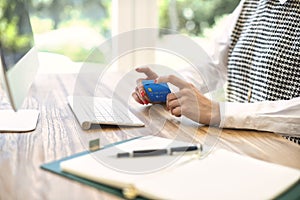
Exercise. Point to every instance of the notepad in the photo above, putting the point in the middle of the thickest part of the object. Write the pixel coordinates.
(220, 175)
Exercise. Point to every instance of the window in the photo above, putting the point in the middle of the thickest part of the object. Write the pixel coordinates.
(74, 27)
(70, 27)
(196, 19)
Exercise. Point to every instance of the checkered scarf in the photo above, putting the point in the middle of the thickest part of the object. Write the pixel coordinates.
(264, 55)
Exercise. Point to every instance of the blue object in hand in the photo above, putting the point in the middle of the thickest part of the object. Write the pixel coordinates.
(157, 92)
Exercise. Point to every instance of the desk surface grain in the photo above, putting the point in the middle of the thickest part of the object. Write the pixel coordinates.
(58, 135)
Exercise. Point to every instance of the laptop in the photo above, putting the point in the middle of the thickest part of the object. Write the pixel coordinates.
(101, 111)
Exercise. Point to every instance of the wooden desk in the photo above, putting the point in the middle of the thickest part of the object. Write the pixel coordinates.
(58, 135)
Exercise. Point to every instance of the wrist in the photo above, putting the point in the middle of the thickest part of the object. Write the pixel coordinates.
(215, 114)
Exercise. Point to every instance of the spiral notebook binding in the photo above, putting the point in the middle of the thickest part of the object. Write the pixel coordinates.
(293, 139)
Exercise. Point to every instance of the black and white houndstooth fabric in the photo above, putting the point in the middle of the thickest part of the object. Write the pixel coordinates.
(264, 55)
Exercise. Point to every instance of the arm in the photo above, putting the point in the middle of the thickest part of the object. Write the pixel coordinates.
(276, 116)
(190, 102)
(281, 116)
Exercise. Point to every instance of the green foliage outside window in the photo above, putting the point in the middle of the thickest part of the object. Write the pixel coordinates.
(192, 17)
(11, 37)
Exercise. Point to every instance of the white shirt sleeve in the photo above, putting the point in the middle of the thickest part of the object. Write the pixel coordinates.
(281, 116)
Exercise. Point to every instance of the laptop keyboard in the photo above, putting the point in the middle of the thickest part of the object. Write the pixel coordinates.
(106, 111)
(101, 110)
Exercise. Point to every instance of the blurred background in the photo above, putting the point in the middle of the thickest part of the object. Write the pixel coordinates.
(74, 27)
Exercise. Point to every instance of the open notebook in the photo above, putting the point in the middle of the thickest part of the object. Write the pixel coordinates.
(220, 175)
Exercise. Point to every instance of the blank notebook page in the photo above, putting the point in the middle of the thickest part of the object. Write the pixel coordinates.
(222, 175)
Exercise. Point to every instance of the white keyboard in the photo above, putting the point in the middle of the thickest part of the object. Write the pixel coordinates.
(99, 110)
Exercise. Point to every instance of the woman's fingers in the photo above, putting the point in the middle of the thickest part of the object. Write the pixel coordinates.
(142, 95)
(140, 88)
(175, 95)
(137, 98)
(171, 104)
(173, 80)
(148, 72)
(171, 96)
(176, 111)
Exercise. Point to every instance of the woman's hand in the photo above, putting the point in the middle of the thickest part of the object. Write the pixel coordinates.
(139, 94)
(190, 102)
